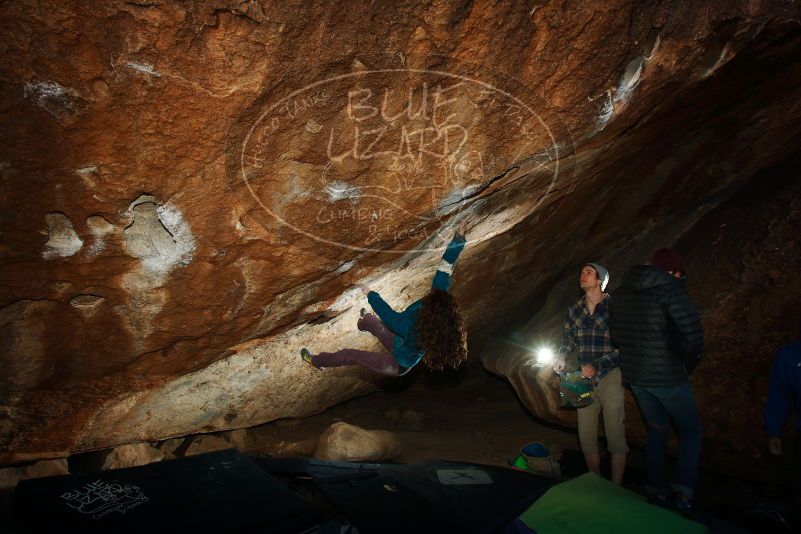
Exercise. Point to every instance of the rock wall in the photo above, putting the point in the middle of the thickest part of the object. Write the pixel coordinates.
(188, 192)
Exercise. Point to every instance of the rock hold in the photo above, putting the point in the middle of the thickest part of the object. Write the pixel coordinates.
(54, 98)
(63, 239)
(158, 236)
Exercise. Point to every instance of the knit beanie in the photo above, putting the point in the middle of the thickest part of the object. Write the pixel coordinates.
(603, 274)
(668, 259)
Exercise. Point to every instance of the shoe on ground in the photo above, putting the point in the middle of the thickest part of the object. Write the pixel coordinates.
(681, 504)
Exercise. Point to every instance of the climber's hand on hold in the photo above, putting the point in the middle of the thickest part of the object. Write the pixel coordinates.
(365, 289)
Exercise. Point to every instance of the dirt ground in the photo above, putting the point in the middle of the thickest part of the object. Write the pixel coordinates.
(479, 421)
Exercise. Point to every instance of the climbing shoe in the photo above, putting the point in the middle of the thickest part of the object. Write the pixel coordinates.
(306, 355)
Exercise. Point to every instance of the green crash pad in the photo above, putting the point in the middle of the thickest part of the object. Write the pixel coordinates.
(590, 503)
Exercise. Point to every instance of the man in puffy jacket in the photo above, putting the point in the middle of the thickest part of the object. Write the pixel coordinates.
(657, 329)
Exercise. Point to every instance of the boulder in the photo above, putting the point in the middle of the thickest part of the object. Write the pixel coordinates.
(302, 448)
(170, 447)
(132, 455)
(348, 443)
(207, 443)
(237, 438)
(11, 476)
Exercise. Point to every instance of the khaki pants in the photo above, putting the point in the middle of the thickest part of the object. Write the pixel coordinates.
(609, 397)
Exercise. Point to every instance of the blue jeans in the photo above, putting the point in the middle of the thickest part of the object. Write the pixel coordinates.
(658, 405)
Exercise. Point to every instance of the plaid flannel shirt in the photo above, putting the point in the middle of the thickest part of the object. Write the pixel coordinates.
(586, 337)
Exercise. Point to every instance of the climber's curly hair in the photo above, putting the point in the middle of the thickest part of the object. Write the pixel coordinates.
(441, 331)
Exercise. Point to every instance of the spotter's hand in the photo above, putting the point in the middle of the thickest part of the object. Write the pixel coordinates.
(587, 370)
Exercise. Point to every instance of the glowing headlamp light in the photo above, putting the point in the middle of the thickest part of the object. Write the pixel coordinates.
(545, 356)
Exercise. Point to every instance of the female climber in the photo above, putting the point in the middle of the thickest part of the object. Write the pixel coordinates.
(431, 329)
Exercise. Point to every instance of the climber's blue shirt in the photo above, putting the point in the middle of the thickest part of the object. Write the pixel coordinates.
(406, 351)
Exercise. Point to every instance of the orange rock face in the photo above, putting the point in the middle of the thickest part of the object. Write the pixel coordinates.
(188, 193)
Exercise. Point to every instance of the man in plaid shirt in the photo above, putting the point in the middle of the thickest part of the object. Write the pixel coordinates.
(587, 344)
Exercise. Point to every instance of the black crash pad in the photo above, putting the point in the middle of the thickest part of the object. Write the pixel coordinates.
(216, 492)
(430, 496)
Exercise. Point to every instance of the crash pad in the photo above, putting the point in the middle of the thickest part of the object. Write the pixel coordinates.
(434, 496)
(590, 503)
(222, 491)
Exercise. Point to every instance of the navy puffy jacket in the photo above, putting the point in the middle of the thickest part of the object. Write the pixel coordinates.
(656, 327)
